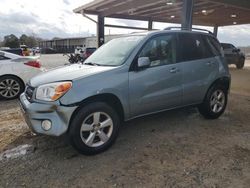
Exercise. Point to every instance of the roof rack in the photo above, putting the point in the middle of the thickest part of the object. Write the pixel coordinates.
(193, 29)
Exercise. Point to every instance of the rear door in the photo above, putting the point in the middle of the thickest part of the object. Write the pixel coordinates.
(157, 87)
(199, 66)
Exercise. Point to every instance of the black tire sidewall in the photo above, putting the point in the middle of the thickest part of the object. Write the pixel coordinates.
(241, 63)
(205, 108)
(75, 126)
(21, 85)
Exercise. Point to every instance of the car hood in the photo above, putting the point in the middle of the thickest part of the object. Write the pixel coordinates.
(67, 73)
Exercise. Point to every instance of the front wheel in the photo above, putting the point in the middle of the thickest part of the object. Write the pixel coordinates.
(214, 103)
(240, 64)
(94, 128)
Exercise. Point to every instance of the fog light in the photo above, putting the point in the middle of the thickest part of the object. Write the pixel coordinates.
(46, 125)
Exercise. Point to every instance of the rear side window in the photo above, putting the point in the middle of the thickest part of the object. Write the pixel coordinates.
(191, 47)
(198, 46)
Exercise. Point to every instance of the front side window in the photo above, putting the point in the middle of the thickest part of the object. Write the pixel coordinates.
(160, 50)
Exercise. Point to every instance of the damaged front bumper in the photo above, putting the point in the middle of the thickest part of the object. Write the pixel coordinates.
(35, 113)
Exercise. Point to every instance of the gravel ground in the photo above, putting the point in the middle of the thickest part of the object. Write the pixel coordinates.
(172, 149)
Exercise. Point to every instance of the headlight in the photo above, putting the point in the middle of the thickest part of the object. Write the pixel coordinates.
(52, 91)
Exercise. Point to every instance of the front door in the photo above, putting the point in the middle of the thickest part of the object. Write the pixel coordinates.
(157, 87)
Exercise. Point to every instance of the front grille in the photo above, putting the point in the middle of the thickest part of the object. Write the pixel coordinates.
(29, 91)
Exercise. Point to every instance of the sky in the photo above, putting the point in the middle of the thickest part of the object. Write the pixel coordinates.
(55, 18)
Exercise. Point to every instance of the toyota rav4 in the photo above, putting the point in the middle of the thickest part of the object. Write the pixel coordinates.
(128, 77)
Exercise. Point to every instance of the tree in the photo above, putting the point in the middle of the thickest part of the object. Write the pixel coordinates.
(23, 39)
(29, 41)
(11, 41)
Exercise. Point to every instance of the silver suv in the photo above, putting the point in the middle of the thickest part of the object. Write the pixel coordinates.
(126, 78)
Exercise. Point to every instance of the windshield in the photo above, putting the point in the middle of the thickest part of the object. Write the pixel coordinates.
(115, 52)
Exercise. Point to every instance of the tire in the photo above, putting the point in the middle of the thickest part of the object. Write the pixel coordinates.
(94, 128)
(10, 87)
(241, 63)
(214, 105)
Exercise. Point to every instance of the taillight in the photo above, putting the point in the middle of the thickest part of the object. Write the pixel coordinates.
(34, 63)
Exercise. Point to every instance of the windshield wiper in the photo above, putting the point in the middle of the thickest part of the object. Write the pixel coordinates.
(93, 64)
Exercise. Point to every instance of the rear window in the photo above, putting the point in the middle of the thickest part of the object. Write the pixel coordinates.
(214, 46)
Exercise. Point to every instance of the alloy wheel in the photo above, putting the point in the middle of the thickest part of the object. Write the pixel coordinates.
(96, 129)
(9, 88)
(217, 101)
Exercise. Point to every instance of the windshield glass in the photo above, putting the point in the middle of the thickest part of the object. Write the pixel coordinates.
(115, 52)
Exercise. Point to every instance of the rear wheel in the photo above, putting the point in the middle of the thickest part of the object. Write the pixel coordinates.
(241, 63)
(10, 87)
(214, 103)
(94, 128)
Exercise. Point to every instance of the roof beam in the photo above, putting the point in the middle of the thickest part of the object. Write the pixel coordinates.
(129, 5)
(243, 4)
(155, 7)
(125, 27)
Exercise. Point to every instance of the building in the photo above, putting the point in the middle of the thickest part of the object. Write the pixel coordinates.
(68, 45)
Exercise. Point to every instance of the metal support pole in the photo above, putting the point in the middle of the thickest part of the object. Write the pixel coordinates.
(150, 25)
(100, 30)
(187, 14)
(216, 30)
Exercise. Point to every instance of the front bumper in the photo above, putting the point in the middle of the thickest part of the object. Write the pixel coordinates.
(34, 113)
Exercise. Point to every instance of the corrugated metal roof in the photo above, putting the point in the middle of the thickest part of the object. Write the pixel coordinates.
(206, 12)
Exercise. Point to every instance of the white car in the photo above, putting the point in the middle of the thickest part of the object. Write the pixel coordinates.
(15, 71)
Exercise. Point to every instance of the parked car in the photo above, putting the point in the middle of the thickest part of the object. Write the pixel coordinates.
(35, 50)
(88, 51)
(15, 71)
(233, 55)
(47, 51)
(17, 51)
(128, 77)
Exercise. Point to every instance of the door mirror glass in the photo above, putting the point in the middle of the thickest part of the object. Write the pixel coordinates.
(143, 62)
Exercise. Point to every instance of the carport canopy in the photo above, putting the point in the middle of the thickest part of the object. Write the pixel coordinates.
(187, 12)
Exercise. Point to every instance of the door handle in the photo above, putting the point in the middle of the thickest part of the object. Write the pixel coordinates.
(173, 70)
(210, 63)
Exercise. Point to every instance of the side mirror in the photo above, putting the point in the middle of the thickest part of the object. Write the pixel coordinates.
(143, 62)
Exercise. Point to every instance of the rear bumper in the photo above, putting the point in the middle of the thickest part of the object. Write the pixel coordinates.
(35, 113)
